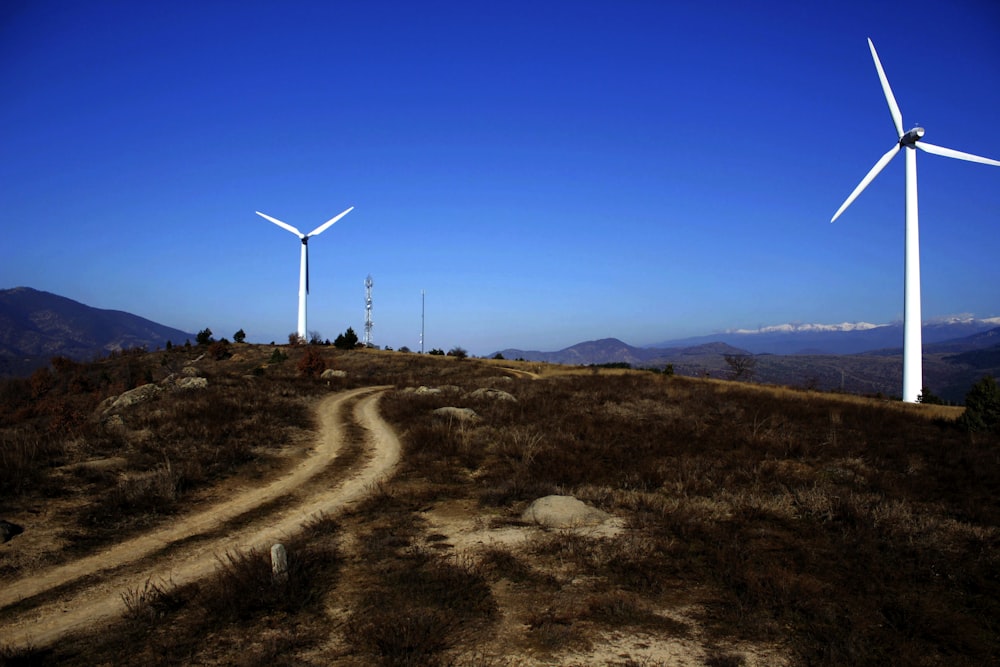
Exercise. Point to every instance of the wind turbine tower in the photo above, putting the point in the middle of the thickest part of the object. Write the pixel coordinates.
(304, 262)
(368, 311)
(911, 140)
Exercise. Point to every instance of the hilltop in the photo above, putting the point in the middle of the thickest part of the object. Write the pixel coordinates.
(36, 326)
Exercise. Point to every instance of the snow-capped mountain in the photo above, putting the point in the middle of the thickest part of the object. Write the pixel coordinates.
(843, 338)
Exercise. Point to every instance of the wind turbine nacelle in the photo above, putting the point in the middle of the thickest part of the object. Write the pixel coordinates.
(911, 137)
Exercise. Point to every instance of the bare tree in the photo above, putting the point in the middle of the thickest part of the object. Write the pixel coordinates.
(741, 366)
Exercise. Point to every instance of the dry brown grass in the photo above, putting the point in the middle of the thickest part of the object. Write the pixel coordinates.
(761, 525)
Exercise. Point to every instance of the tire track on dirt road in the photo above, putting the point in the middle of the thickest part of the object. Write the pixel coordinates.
(118, 568)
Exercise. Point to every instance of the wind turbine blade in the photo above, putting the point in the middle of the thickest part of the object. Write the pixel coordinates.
(283, 225)
(879, 166)
(950, 152)
(897, 117)
(322, 228)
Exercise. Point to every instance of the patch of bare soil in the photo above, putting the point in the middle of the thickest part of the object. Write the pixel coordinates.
(82, 594)
(460, 526)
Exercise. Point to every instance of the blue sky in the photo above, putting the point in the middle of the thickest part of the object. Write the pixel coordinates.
(548, 172)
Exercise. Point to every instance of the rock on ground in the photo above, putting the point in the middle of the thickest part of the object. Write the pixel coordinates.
(563, 512)
(332, 373)
(495, 394)
(137, 395)
(460, 414)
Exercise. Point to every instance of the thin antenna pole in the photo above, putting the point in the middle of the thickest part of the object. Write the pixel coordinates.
(368, 311)
(421, 321)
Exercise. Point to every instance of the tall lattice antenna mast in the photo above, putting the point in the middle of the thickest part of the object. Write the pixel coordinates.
(368, 311)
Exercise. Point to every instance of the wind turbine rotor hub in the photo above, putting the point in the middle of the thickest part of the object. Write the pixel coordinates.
(911, 137)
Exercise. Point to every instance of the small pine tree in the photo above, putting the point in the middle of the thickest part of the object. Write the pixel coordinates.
(347, 340)
(239, 336)
(204, 337)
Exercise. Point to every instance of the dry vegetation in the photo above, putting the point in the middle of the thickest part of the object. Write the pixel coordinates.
(753, 526)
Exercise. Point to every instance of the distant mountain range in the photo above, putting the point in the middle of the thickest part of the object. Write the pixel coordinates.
(854, 357)
(845, 338)
(863, 359)
(36, 326)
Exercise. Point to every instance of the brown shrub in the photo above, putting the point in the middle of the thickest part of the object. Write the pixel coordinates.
(312, 363)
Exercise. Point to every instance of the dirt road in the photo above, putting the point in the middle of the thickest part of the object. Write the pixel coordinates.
(35, 611)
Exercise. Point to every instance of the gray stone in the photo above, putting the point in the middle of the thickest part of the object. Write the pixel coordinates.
(114, 463)
(190, 371)
(137, 395)
(427, 390)
(495, 394)
(563, 512)
(279, 563)
(192, 383)
(331, 373)
(459, 414)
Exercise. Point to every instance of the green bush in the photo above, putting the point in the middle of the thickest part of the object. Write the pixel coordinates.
(204, 336)
(928, 397)
(347, 340)
(982, 406)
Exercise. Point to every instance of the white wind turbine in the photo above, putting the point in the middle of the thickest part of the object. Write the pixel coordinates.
(304, 262)
(912, 347)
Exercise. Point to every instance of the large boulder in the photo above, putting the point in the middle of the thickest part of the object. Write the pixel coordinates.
(133, 396)
(563, 512)
(331, 373)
